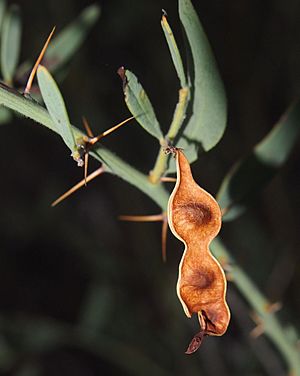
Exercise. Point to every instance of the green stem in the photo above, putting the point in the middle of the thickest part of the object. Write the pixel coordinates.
(159, 167)
(179, 114)
(272, 327)
(178, 118)
(30, 109)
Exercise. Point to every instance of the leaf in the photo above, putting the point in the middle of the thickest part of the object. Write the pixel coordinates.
(250, 175)
(139, 104)
(10, 43)
(208, 121)
(69, 40)
(5, 115)
(177, 61)
(56, 106)
(2, 11)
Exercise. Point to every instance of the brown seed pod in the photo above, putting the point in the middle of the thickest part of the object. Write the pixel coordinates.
(195, 218)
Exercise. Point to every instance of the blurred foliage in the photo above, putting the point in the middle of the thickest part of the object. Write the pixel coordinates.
(82, 294)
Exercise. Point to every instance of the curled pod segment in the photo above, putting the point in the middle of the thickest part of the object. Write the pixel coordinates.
(194, 217)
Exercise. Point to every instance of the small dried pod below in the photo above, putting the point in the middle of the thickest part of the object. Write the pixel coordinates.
(194, 217)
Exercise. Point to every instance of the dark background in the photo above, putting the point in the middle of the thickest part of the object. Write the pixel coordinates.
(80, 292)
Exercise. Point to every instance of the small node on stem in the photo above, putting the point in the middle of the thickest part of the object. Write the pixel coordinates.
(170, 149)
(85, 143)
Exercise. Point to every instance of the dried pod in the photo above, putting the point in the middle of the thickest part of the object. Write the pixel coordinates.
(195, 218)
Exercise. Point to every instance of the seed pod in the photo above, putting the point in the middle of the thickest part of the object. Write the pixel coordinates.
(195, 218)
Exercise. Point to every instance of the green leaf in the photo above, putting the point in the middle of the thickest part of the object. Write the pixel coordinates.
(5, 115)
(2, 11)
(69, 40)
(10, 98)
(177, 61)
(139, 104)
(10, 43)
(250, 175)
(208, 121)
(56, 106)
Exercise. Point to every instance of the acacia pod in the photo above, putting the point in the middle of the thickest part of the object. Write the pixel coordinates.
(194, 217)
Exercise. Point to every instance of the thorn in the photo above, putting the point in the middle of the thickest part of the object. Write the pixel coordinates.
(87, 127)
(39, 59)
(168, 179)
(164, 233)
(257, 331)
(92, 176)
(86, 162)
(142, 218)
(110, 130)
(260, 326)
(273, 307)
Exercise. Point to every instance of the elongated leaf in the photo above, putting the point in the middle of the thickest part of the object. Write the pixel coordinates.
(249, 176)
(13, 100)
(2, 11)
(69, 40)
(56, 106)
(10, 43)
(5, 115)
(139, 104)
(177, 61)
(208, 121)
